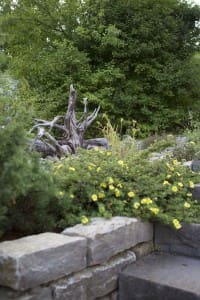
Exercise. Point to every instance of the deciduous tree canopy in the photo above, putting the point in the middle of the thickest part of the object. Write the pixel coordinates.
(132, 57)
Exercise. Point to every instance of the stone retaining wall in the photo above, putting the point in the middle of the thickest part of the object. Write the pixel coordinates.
(81, 263)
(185, 241)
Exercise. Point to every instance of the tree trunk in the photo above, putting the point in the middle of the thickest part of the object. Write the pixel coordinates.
(72, 131)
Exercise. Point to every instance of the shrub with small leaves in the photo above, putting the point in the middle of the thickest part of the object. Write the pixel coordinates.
(100, 183)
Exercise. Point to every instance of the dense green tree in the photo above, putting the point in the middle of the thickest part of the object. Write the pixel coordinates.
(133, 57)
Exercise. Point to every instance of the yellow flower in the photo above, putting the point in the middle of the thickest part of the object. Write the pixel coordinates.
(171, 169)
(91, 166)
(174, 189)
(189, 194)
(103, 185)
(168, 176)
(72, 169)
(117, 193)
(146, 201)
(154, 210)
(59, 166)
(111, 187)
(192, 143)
(110, 180)
(101, 195)
(60, 194)
(98, 169)
(175, 162)
(131, 194)
(176, 224)
(71, 196)
(108, 153)
(120, 185)
(180, 184)
(165, 182)
(120, 162)
(84, 220)
(187, 205)
(136, 205)
(178, 174)
(191, 184)
(94, 197)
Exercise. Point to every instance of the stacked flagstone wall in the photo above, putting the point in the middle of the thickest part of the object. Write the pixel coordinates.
(81, 263)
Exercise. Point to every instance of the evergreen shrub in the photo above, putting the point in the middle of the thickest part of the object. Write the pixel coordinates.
(25, 185)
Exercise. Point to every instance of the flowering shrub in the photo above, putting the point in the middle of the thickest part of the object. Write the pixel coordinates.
(100, 183)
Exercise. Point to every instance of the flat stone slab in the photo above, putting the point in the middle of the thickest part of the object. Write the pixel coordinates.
(185, 241)
(109, 237)
(37, 259)
(161, 276)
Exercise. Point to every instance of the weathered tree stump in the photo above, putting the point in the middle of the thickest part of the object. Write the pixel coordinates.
(69, 131)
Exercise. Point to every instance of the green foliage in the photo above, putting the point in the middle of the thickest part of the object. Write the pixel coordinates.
(39, 195)
(160, 143)
(25, 186)
(101, 183)
(191, 149)
(134, 58)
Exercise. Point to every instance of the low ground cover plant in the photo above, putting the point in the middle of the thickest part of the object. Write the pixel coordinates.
(39, 195)
(101, 183)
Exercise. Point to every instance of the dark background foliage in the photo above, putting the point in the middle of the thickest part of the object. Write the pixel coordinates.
(134, 58)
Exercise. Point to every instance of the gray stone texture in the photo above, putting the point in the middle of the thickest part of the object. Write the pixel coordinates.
(195, 166)
(161, 276)
(103, 298)
(109, 237)
(40, 293)
(105, 278)
(95, 282)
(73, 287)
(143, 249)
(37, 259)
(114, 296)
(185, 241)
(196, 193)
(187, 164)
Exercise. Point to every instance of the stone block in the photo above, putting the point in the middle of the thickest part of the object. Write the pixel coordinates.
(161, 276)
(195, 166)
(37, 259)
(106, 238)
(72, 287)
(94, 282)
(114, 296)
(187, 164)
(105, 277)
(196, 192)
(103, 298)
(185, 241)
(40, 293)
(143, 249)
